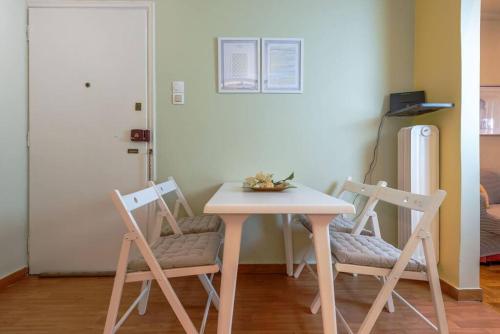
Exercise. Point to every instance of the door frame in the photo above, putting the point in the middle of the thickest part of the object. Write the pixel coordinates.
(149, 5)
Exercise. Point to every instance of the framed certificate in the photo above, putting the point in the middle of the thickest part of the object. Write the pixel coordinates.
(282, 65)
(239, 65)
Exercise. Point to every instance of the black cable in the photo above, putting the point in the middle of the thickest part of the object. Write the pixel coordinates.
(373, 162)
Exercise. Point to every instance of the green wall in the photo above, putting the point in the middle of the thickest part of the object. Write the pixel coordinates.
(356, 53)
(13, 160)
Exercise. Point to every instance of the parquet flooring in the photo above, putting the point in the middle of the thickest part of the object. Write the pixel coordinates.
(490, 283)
(265, 303)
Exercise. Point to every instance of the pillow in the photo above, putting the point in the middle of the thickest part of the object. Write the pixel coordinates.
(491, 182)
(485, 195)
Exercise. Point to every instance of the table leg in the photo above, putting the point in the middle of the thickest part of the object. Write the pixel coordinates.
(287, 236)
(325, 274)
(232, 241)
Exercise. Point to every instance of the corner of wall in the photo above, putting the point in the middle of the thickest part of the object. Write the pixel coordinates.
(447, 68)
(437, 71)
(13, 130)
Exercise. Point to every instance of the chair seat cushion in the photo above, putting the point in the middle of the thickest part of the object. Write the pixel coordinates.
(197, 224)
(368, 251)
(180, 251)
(494, 210)
(338, 224)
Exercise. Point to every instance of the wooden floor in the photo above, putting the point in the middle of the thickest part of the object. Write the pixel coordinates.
(490, 283)
(265, 303)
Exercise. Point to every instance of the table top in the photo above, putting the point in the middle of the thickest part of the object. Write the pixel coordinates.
(232, 198)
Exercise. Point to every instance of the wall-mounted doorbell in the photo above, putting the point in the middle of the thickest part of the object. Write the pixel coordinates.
(177, 92)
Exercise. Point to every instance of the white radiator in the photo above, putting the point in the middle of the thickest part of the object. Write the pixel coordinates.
(418, 172)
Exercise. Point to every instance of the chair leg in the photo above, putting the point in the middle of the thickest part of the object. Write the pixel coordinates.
(433, 276)
(303, 261)
(207, 285)
(389, 306)
(219, 263)
(376, 230)
(377, 306)
(288, 242)
(166, 287)
(299, 268)
(212, 294)
(143, 304)
(316, 304)
(388, 287)
(116, 295)
(205, 314)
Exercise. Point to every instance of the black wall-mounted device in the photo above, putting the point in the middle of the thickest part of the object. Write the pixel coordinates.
(413, 104)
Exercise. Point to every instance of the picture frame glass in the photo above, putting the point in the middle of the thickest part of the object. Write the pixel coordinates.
(282, 62)
(239, 63)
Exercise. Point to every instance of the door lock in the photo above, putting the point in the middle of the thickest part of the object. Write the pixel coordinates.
(143, 135)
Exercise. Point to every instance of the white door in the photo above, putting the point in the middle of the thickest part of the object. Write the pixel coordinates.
(88, 73)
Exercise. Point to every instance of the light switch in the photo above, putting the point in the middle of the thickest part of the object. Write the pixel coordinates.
(177, 92)
(178, 86)
(177, 98)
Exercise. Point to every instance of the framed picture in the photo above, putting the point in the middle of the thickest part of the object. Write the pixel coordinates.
(282, 65)
(239, 65)
(490, 111)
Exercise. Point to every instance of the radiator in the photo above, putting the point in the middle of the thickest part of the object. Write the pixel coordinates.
(418, 172)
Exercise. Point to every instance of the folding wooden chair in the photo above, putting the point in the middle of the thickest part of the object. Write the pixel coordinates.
(167, 257)
(188, 225)
(345, 224)
(184, 225)
(366, 255)
(357, 225)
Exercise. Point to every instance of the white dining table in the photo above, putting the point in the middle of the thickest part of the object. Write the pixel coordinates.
(235, 204)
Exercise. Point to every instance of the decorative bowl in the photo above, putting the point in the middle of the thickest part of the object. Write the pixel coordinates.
(263, 182)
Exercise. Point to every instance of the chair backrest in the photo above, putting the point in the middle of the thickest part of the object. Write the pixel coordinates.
(163, 189)
(169, 186)
(412, 201)
(125, 204)
(427, 204)
(367, 190)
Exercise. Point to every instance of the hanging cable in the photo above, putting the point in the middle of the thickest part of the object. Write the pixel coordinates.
(373, 162)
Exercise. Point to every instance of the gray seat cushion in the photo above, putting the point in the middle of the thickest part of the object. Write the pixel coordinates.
(494, 211)
(339, 224)
(179, 251)
(197, 224)
(490, 179)
(368, 251)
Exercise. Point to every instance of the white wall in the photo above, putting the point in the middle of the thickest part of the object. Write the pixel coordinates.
(490, 49)
(490, 146)
(470, 54)
(13, 152)
(490, 75)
